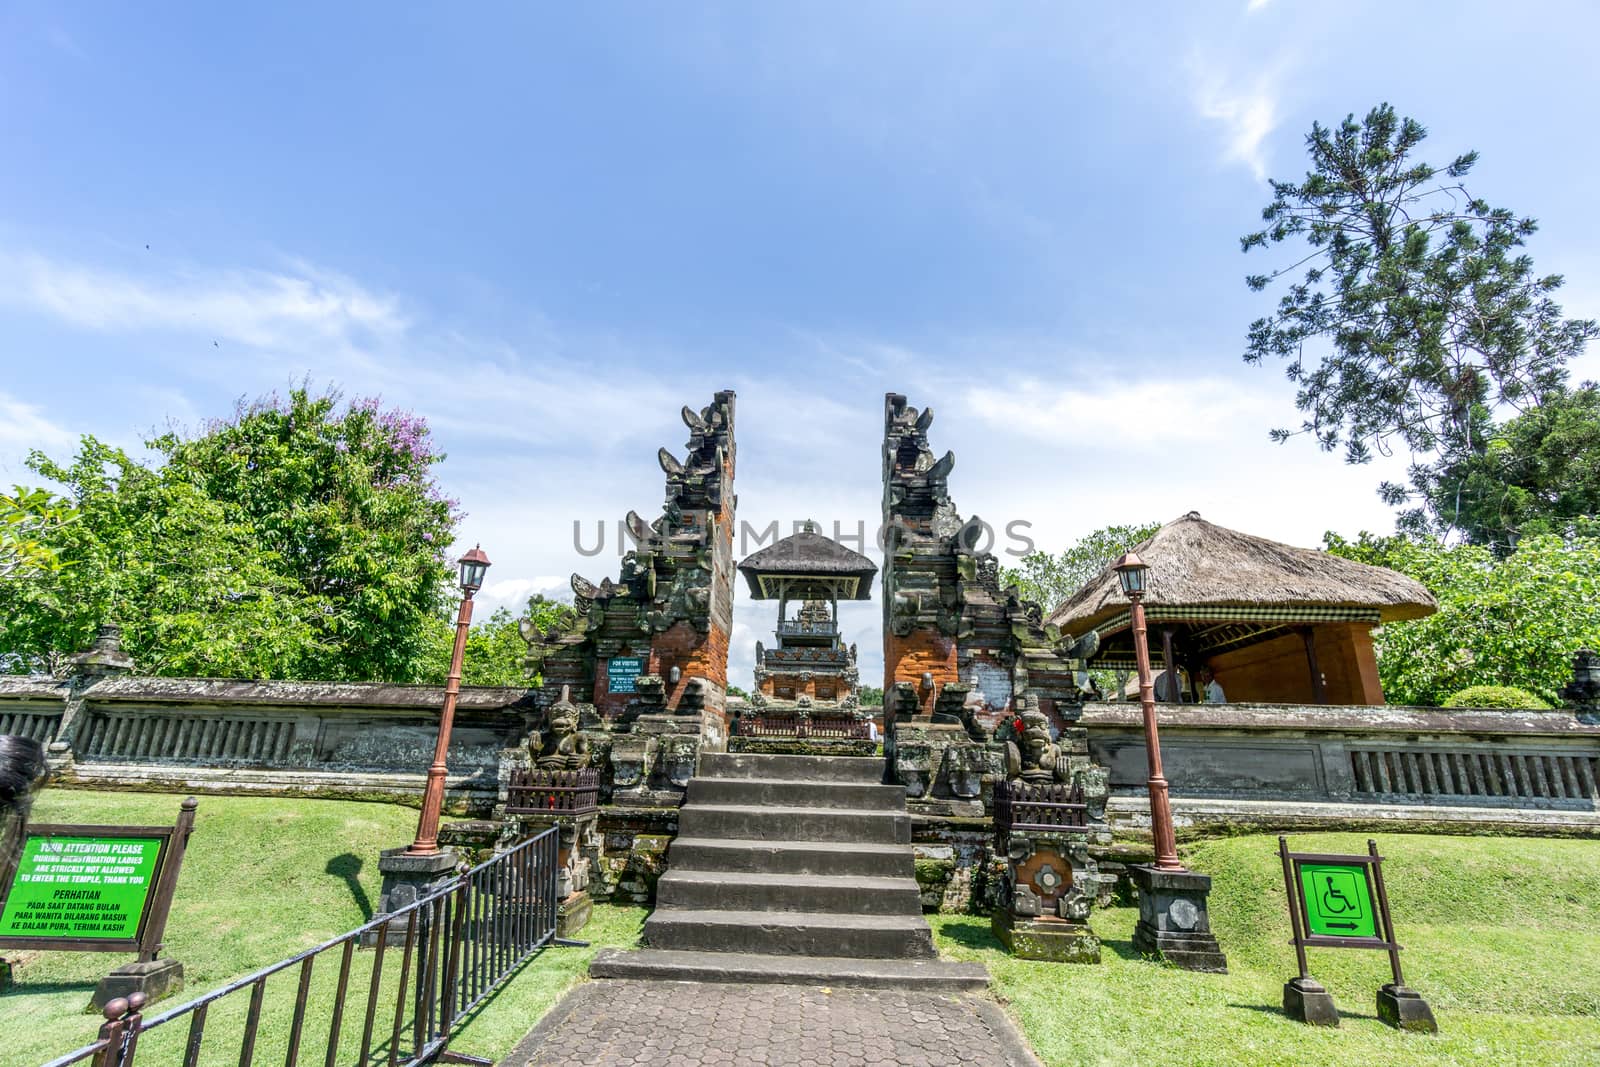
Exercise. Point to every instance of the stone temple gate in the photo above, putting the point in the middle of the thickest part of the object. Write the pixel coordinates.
(969, 668)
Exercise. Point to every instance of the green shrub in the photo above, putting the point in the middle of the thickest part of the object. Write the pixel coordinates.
(1495, 696)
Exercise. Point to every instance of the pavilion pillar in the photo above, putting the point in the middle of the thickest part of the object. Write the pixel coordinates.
(1171, 666)
(1319, 691)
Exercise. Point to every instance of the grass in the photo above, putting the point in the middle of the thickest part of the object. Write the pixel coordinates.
(264, 879)
(1498, 935)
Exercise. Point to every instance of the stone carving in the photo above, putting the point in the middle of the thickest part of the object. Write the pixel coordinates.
(632, 758)
(963, 770)
(559, 746)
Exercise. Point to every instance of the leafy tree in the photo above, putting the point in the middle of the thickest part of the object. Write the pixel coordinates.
(300, 538)
(870, 696)
(27, 517)
(1514, 621)
(194, 592)
(495, 648)
(1416, 313)
(1538, 473)
(346, 503)
(737, 691)
(1048, 579)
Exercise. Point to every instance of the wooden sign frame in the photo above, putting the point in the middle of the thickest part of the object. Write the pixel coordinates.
(1371, 865)
(147, 941)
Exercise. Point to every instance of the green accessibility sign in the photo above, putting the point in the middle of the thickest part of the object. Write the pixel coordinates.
(1338, 900)
(89, 888)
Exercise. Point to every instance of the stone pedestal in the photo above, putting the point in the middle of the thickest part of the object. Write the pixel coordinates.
(1404, 1009)
(1306, 1001)
(154, 978)
(1173, 921)
(572, 914)
(407, 879)
(1046, 938)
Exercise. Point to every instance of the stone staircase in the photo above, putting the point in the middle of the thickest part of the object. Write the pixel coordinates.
(791, 869)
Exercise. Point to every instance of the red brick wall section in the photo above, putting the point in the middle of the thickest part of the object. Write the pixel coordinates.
(906, 659)
(695, 654)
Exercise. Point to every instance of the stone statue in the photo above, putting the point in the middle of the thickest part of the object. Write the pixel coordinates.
(1030, 754)
(559, 747)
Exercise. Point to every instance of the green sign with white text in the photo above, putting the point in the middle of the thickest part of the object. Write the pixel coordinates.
(1338, 900)
(80, 887)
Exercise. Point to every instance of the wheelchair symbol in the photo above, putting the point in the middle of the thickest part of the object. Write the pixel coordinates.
(1334, 902)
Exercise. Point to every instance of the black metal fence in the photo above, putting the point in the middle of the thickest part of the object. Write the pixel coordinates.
(534, 791)
(1039, 807)
(455, 947)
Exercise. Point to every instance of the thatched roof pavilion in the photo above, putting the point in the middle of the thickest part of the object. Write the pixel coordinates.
(1273, 622)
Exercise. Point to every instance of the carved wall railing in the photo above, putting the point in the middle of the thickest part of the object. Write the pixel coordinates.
(805, 657)
(39, 726)
(1385, 754)
(817, 726)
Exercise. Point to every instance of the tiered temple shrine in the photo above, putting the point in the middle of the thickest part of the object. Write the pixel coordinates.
(810, 677)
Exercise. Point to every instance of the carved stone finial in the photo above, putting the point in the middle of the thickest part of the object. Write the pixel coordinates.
(103, 657)
(1582, 693)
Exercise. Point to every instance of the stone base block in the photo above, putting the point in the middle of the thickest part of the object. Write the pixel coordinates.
(1404, 1009)
(154, 978)
(1174, 923)
(1306, 1001)
(572, 914)
(1056, 940)
(407, 879)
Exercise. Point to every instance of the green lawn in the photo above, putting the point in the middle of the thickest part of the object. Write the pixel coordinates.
(264, 879)
(1499, 936)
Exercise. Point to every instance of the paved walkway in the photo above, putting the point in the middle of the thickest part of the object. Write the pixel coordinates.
(693, 1024)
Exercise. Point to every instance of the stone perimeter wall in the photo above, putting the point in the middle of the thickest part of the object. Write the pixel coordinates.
(1233, 767)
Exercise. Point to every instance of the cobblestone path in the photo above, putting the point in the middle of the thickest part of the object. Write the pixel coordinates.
(690, 1024)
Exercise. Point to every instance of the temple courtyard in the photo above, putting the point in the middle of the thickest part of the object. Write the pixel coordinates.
(1495, 929)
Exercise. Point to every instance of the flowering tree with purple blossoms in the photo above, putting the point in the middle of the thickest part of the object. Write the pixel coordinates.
(343, 497)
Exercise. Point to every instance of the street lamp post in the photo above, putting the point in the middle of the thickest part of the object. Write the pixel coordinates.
(1174, 922)
(473, 566)
(1132, 572)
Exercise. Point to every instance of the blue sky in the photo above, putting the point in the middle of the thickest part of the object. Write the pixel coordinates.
(546, 227)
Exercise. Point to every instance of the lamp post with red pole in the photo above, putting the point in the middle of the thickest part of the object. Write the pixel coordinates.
(1131, 573)
(411, 873)
(1173, 921)
(473, 567)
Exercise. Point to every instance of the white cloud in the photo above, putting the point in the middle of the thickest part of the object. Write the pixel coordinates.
(1256, 5)
(1169, 411)
(1248, 113)
(25, 426)
(257, 308)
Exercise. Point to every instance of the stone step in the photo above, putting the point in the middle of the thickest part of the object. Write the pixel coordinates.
(791, 933)
(790, 793)
(795, 824)
(865, 770)
(834, 858)
(739, 891)
(833, 971)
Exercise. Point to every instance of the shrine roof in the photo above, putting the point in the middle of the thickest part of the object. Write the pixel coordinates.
(808, 558)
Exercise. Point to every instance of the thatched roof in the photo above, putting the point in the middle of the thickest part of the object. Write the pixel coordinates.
(1194, 563)
(809, 554)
